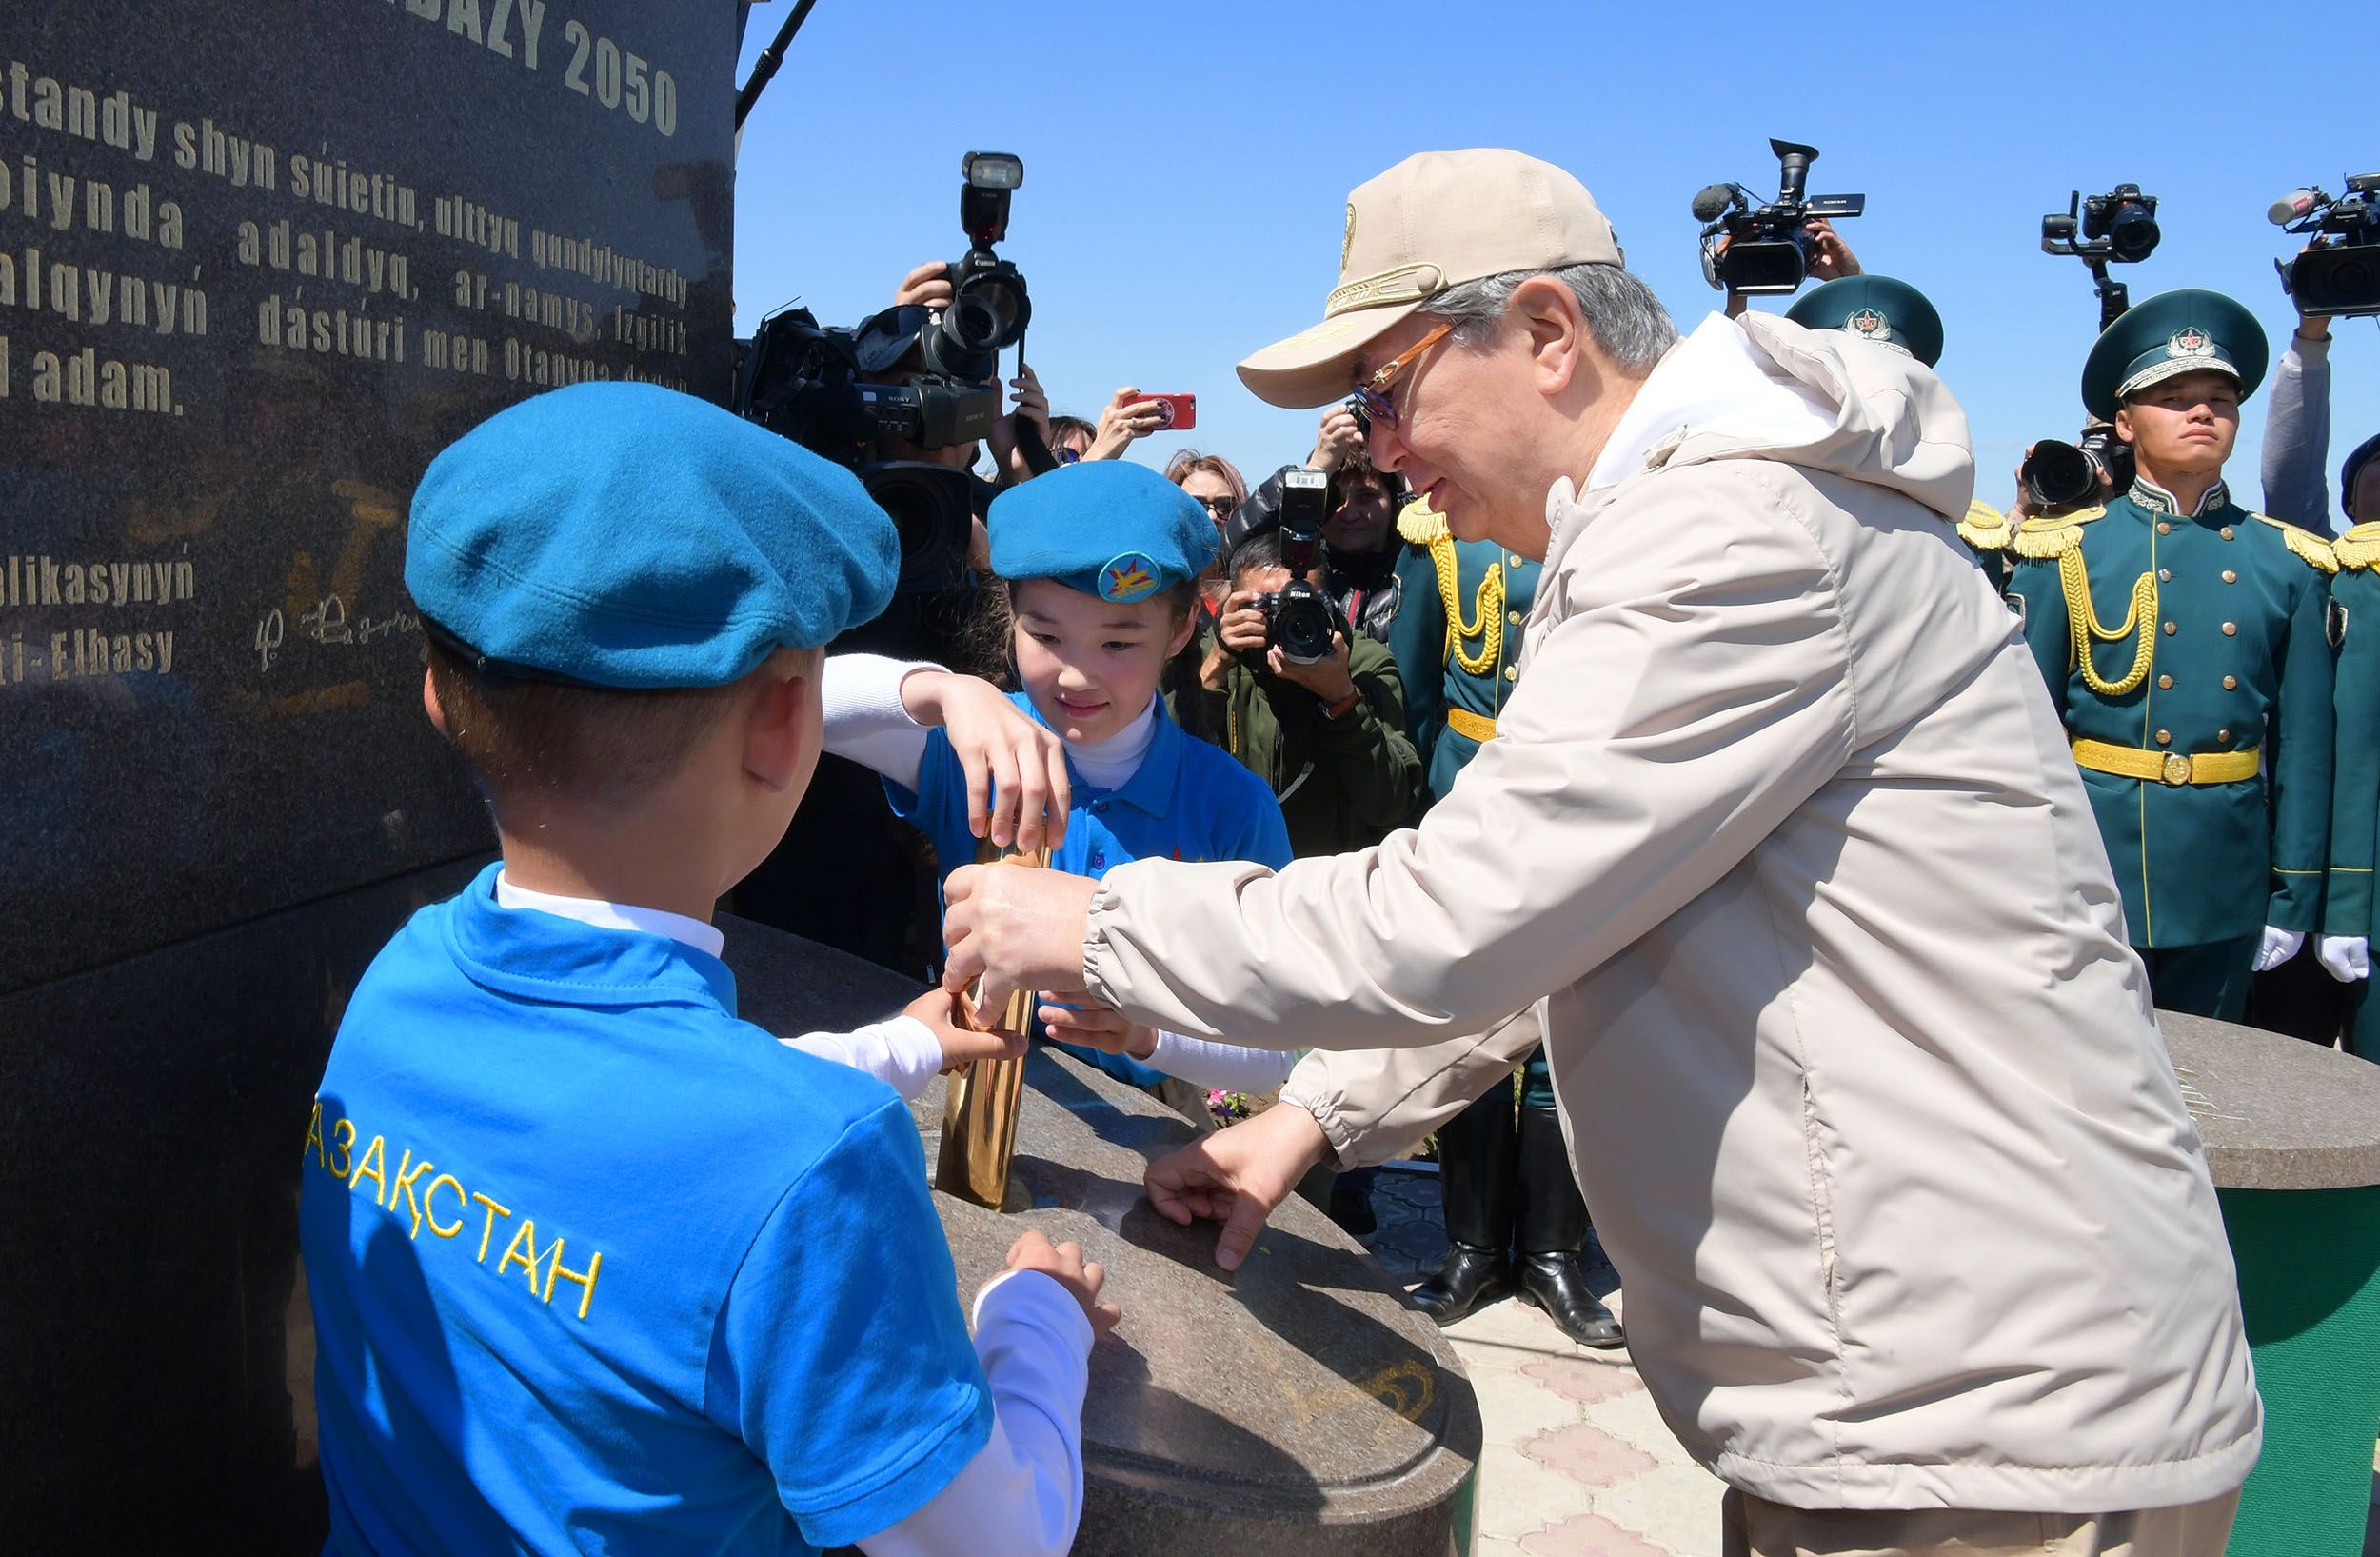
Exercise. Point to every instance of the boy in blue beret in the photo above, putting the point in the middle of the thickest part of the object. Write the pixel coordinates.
(629, 1273)
(1098, 563)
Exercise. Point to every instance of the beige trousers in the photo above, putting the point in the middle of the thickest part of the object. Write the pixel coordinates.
(1756, 1528)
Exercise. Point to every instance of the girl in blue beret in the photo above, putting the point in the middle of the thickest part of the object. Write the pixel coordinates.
(1098, 566)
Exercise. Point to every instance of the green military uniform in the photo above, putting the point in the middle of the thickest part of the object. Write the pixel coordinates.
(1456, 639)
(1989, 535)
(2355, 798)
(2188, 658)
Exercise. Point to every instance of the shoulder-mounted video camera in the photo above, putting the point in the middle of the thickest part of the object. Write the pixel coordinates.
(908, 381)
(2339, 276)
(1767, 250)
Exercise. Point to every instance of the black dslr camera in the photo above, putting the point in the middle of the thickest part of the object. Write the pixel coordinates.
(1300, 619)
(2340, 276)
(908, 375)
(2058, 475)
(1766, 251)
(2117, 228)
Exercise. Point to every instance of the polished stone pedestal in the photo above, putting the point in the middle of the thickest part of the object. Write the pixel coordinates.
(2293, 1136)
(1296, 1407)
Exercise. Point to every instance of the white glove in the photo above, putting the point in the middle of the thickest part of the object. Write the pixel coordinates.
(2280, 947)
(2346, 958)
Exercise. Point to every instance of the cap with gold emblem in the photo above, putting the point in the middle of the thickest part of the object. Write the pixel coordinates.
(1434, 221)
(1876, 309)
(2185, 331)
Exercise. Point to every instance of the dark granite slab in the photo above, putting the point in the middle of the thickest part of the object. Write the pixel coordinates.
(1298, 1407)
(2276, 1113)
(258, 263)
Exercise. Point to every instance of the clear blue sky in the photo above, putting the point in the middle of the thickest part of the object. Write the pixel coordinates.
(1187, 166)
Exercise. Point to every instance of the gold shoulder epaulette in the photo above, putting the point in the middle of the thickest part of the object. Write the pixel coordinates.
(2358, 547)
(1986, 527)
(2051, 536)
(2311, 548)
(1421, 524)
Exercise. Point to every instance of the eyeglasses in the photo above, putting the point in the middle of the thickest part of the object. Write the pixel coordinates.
(1374, 392)
(1067, 457)
(1220, 507)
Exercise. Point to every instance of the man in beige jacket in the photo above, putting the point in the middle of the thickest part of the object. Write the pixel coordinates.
(1919, 1246)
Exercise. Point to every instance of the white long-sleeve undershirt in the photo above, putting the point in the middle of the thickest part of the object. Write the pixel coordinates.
(866, 721)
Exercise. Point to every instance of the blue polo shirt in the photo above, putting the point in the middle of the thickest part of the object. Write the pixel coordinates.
(596, 1266)
(1188, 800)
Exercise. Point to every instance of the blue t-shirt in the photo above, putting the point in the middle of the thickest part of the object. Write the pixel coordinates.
(596, 1266)
(1188, 800)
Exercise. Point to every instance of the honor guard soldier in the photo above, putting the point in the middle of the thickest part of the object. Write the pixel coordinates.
(1892, 313)
(2184, 642)
(2347, 913)
(1456, 638)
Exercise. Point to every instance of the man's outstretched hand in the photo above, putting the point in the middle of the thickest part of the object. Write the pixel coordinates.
(1019, 928)
(1238, 1175)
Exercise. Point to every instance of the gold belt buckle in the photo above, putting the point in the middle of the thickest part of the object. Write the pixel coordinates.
(2176, 770)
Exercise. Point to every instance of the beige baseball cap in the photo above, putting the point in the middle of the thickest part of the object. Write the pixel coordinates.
(1433, 221)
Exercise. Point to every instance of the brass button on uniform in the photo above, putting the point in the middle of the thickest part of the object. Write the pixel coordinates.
(2222, 734)
(2230, 629)
(2165, 575)
(2226, 532)
(2229, 577)
(2169, 630)
(1511, 672)
(2164, 737)
(2165, 684)
(2164, 527)
(2230, 684)
(1514, 617)
(1518, 560)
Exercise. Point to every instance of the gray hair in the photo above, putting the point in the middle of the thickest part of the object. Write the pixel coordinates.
(1628, 321)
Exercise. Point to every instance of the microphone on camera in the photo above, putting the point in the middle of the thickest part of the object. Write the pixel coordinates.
(2291, 206)
(1713, 201)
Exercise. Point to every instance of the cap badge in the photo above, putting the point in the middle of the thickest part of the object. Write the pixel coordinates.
(2190, 341)
(1129, 577)
(1347, 244)
(1869, 325)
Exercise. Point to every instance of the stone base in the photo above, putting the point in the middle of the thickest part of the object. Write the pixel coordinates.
(1296, 1407)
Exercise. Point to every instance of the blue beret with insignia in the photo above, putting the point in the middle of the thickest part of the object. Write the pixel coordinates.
(628, 536)
(1107, 527)
(1874, 309)
(2185, 331)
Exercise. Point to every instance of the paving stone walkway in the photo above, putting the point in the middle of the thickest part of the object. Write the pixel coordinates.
(1577, 1463)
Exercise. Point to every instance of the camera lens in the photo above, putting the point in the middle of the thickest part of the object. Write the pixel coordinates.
(2056, 474)
(931, 508)
(1757, 268)
(2133, 234)
(986, 313)
(1301, 627)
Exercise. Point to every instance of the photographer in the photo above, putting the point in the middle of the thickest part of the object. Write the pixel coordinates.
(1328, 736)
(1361, 562)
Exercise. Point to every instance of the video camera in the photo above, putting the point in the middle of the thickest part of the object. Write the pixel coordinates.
(2340, 274)
(1300, 619)
(909, 375)
(1767, 250)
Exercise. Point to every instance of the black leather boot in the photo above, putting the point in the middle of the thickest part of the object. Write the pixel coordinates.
(1476, 1176)
(1554, 1235)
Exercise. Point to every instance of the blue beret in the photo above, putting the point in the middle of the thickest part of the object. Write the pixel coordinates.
(2183, 331)
(1874, 309)
(628, 536)
(1107, 527)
